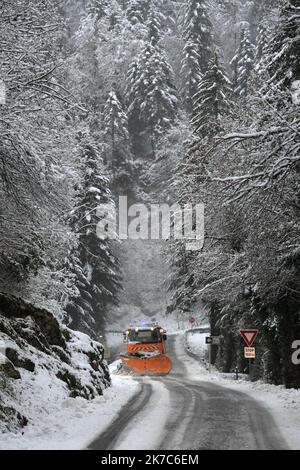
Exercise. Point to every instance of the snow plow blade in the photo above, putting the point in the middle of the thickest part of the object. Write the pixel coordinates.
(157, 365)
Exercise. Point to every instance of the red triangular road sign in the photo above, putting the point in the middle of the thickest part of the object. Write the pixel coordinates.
(249, 336)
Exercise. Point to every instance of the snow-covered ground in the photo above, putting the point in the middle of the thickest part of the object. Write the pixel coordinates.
(70, 423)
(283, 404)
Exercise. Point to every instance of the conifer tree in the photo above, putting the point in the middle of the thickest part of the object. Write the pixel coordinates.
(154, 24)
(98, 7)
(117, 147)
(212, 100)
(197, 33)
(263, 37)
(151, 91)
(242, 64)
(138, 10)
(191, 72)
(96, 268)
(115, 126)
(283, 53)
(180, 282)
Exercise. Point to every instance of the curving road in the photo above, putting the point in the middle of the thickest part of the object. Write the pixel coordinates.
(200, 415)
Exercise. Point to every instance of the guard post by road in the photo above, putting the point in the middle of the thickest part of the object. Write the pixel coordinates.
(210, 341)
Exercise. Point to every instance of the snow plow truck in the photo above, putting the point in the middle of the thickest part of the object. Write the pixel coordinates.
(146, 350)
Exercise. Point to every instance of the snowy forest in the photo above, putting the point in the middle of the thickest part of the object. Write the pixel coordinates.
(163, 101)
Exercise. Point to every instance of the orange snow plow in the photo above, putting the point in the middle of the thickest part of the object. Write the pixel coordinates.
(146, 351)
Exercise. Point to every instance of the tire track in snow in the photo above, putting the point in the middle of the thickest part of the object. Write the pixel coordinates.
(146, 428)
(136, 404)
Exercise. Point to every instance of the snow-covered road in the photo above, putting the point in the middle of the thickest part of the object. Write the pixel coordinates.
(182, 412)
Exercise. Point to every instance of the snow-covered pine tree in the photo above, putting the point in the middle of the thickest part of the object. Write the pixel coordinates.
(154, 23)
(115, 126)
(97, 7)
(131, 78)
(95, 265)
(283, 54)
(262, 41)
(197, 33)
(190, 72)
(152, 95)
(169, 10)
(84, 62)
(138, 10)
(117, 144)
(212, 100)
(243, 63)
(198, 29)
(189, 187)
(181, 281)
(115, 13)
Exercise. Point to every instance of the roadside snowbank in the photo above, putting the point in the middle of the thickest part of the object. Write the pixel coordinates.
(196, 341)
(43, 363)
(70, 423)
(283, 404)
(53, 382)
